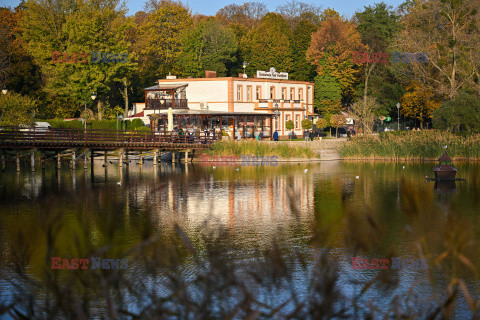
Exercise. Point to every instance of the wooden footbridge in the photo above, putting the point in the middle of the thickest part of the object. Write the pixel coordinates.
(77, 144)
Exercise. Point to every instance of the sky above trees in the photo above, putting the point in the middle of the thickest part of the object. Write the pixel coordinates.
(344, 7)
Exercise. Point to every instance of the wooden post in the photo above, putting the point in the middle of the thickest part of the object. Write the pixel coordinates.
(42, 160)
(173, 156)
(59, 162)
(3, 161)
(140, 163)
(105, 156)
(73, 160)
(17, 159)
(85, 160)
(126, 157)
(32, 160)
(155, 152)
(186, 156)
(120, 161)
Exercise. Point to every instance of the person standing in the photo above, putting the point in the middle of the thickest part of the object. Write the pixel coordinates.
(275, 136)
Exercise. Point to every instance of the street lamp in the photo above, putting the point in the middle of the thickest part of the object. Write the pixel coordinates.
(4, 90)
(244, 65)
(398, 117)
(276, 113)
(93, 96)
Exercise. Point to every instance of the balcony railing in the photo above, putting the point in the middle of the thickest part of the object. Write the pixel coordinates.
(278, 100)
(160, 104)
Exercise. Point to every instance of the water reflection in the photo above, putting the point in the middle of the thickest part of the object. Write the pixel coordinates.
(372, 210)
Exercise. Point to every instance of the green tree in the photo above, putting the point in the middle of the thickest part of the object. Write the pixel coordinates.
(159, 39)
(321, 124)
(328, 94)
(365, 111)
(378, 25)
(272, 35)
(209, 46)
(16, 109)
(289, 125)
(85, 26)
(462, 113)
(18, 72)
(302, 70)
(306, 124)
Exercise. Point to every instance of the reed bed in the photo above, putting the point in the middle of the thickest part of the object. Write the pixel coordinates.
(260, 149)
(423, 145)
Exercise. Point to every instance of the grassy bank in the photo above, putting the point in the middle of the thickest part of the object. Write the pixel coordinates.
(412, 145)
(260, 149)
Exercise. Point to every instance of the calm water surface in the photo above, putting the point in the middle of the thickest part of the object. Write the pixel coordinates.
(368, 210)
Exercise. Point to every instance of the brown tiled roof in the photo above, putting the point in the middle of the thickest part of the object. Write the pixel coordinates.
(445, 157)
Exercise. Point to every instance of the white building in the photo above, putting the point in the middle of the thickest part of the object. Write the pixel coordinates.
(236, 98)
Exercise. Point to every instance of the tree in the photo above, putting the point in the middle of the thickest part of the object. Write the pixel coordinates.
(378, 26)
(306, 124)
(447, 31)
(86, 26)
(273, 36)
(321, 124)
(328, 94)
(18, 72)
(289, 125)
(159, 39)
(365, 111)
(462, 113)
(419, 102)
(248, 14)
(302, 70)
(209, 46)
(331, 49)
(296, 11)
(16, 109)
(337, 120)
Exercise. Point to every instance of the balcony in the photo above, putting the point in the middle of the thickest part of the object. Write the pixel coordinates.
(163, 104)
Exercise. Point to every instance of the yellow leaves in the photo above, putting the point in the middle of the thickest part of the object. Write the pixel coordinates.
(419, 102)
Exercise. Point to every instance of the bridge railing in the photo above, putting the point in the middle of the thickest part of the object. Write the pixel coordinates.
(33, 136)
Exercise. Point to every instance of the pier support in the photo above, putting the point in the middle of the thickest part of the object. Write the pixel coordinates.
(186, 156)
(120, 159)
(126, 158)
(73, 160)
(17, 159)
(140, 159)
(59, 161)
(42, 159)
(173, 156)
(3, 161)
(155, 154)
(85, 160)
(32, 160)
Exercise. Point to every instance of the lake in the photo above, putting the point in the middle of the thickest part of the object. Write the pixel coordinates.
(347, 239)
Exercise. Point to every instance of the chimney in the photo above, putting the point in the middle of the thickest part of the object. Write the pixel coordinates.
(210, 74)
(242, 75)
(170, 77)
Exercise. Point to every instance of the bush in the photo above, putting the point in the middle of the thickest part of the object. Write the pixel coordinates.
(61, 124)
(133, 124)
(462, 113)
(105, 124)
(142, 129)
(16, 109)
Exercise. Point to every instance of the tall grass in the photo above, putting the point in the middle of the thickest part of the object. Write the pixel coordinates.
(412, 145)
(260, 149)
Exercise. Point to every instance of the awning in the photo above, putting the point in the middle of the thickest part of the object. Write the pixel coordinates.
(167, 86)
(190, 112)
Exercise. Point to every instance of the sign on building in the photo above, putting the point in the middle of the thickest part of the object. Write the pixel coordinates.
(272, 74)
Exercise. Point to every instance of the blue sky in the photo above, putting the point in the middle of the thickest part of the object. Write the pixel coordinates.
(345, 7)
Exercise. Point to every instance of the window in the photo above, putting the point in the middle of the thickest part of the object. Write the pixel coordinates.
(297, 122)
(284, 93)
(249, 93)
(259, 92)
(292, 93)
(272, 92)
(239, 93)
(287, 117)
(300, 94)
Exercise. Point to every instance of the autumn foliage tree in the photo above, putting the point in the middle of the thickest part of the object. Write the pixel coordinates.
(337, 120)
(331, 51)
(419, 102)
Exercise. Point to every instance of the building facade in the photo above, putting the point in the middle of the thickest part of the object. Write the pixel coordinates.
(284, 100)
